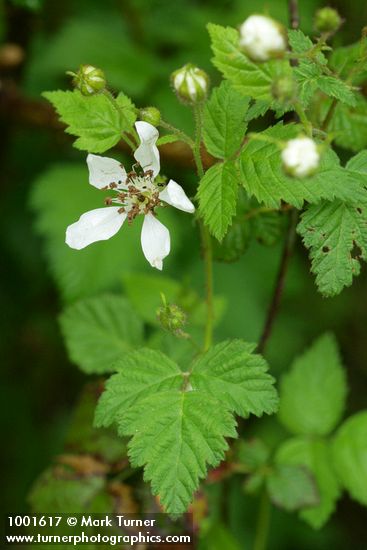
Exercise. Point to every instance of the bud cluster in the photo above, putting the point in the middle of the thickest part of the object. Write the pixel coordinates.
(190, 84)
(172, 318)
(89, 80)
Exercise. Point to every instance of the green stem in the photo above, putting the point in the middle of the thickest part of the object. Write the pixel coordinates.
(303, 118)
(263, 523)
(184, 137)
(209, 285)
(205, 236)
(117, 107)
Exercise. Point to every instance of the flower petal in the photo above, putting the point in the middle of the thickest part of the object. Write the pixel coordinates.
(95, 225)
(174, 195)
(155, 241)
(147, 153)
(104, 171)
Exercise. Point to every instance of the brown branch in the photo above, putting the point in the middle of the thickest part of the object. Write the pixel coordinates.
(280, 281)
(290, 235)
(19, 109)
(293, 13)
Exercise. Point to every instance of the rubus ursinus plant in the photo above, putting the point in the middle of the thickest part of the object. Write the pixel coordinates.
(182, 417)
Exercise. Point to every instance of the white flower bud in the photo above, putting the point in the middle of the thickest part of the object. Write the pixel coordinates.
(190, 84)
(262, 38)
(300, 157)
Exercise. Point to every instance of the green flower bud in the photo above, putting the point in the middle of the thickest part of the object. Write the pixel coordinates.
(284, 89)
(190, 84)
(151, 115)
(172, 318)
(89, 80)
(327, 20)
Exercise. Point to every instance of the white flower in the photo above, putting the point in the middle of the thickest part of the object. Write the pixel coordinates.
(300, 157)
(262, 38)
(136, 193)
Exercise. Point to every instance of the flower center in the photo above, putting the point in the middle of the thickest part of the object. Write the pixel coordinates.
(140, 196)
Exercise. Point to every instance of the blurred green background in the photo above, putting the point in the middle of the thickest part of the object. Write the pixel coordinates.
(138, 43)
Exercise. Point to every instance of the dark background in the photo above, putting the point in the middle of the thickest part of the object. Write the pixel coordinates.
(138, 43)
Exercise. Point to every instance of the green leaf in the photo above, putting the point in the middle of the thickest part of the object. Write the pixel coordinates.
(83, 438)
(344, 60)
(349, 124)
(224, 121)
(335, 87)
(61, 491)
(298, 41)
(350, 456)
(141, 374)
(179, 420)
(312, 394)
(251, 79)
(263, 175)
(336, 235)
(231, 372)
(218, 196)
(358, 165)
(97, 331)
(144, 292)
(252, 454)
(59, 196)
(96, 122)
(307, 75)
(168, 138)
(292, 488)
(315, 455)
(176, 435)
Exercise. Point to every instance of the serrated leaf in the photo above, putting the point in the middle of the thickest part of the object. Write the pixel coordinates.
(257, 109)
(307, 75)
(263, 176)
(349, 124)
(336, 235)
(98, 330)
(231, 372)
(224, 121)
(350, 456)
(335, 87)
(217, 195)
(251, 79)
(97, 124)
(298, 41)
(176, 435)
(358, 165)
(312, 394)
(345, 59)
(141, 374)
(292, 487)
(315, 455)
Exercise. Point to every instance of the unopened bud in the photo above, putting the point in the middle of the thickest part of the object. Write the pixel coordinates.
(172, 318)
(327, 20)
(262, 38)
(151, 115)
(190, 84)
(89, 80)
(300, 157)
(284, 89)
